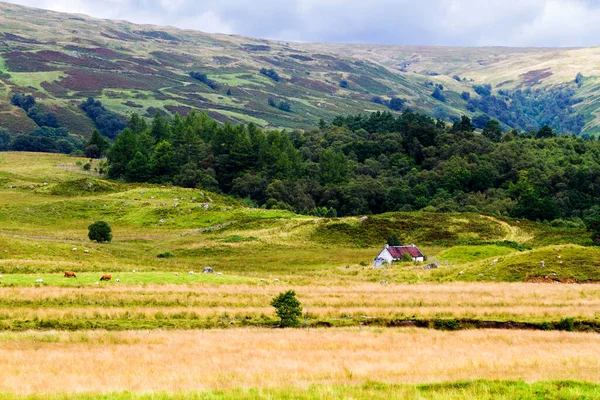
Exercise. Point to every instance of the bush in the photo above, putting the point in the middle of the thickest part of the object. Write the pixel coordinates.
(394, 240)
(566, 324)
(406, 258)
(166, 254)
(100, 232)
(287, 308)
(270, 73)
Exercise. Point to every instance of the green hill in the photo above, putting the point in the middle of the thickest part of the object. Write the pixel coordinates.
(47, 202)
(62, 59)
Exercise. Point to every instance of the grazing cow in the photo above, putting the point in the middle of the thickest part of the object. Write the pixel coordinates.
(106, 277)
(70, 274)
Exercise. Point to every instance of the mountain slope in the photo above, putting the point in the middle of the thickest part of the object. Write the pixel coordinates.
(62, 59)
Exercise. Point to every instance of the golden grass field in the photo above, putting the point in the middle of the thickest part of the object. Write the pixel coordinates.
(36, 362)
(491, 301)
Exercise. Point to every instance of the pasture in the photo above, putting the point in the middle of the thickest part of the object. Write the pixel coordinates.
(402, 331)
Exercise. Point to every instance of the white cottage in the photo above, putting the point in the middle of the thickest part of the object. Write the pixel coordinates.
(394, 253)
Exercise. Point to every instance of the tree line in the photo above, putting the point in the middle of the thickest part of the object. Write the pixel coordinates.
(369, 164)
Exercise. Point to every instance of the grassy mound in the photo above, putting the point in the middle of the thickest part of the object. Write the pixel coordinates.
(560, 262)
(85, 187)
(418, 227)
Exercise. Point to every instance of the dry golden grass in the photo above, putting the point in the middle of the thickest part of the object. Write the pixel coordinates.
(518, 301)
(195, 360)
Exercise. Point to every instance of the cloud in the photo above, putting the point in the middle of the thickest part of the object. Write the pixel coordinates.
(422, 22)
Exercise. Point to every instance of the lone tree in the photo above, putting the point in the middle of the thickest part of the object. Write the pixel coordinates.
(100, 231)
(287, 308)
(394, 240)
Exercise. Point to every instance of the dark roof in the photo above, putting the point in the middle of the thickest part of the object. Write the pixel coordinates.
(399, 251)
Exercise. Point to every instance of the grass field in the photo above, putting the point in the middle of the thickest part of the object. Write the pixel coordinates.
(161, 332)
(287, 361)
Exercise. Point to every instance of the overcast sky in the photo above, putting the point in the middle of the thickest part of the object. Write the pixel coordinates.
(411, 22)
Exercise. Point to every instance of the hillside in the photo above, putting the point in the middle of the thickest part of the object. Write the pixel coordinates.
(62, 59)
(47, 201)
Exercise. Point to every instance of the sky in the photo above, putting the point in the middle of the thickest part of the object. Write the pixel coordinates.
(543, 23)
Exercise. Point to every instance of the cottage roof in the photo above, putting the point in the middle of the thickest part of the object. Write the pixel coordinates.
(398, 251)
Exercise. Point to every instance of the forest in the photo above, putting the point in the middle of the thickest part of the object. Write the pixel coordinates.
(367, 164)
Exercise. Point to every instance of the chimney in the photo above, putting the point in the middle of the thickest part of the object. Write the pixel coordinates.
(413, 245)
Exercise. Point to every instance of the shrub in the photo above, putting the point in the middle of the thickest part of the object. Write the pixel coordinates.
(100, 231)
(394, 240)
(166, 254)
(406, 258)
(438, 95)
(270, 73)
(446, 324)
(566, 324)
(287, 308)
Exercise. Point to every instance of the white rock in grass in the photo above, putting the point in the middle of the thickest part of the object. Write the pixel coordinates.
(219, 273)
(74, 248)
(133, 271)
(86, 251)
(118, 280)
(97, 283)
(39, 281)
(275, 280)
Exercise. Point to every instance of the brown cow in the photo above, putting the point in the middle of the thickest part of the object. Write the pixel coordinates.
(70, 274)
(106, 277)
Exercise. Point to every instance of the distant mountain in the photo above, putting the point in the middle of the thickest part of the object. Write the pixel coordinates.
(63, 59)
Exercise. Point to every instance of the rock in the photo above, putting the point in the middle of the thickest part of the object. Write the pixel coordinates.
(39, 281)
(431, 266)
(363, 219)
(461, 273)
(219, 273)
(118, 280)
(275, 280)
(208, 270)
(191, 273)
(97, 283)
(542, 264)
(133, 271)
(74, 248)
(480, 276)
(384, 282)
(86, 251)
(162, 221)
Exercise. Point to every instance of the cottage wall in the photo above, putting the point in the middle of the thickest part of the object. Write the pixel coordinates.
(385, 254)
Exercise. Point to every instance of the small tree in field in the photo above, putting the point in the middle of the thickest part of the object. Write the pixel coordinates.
(287, 308)
(100, 231)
